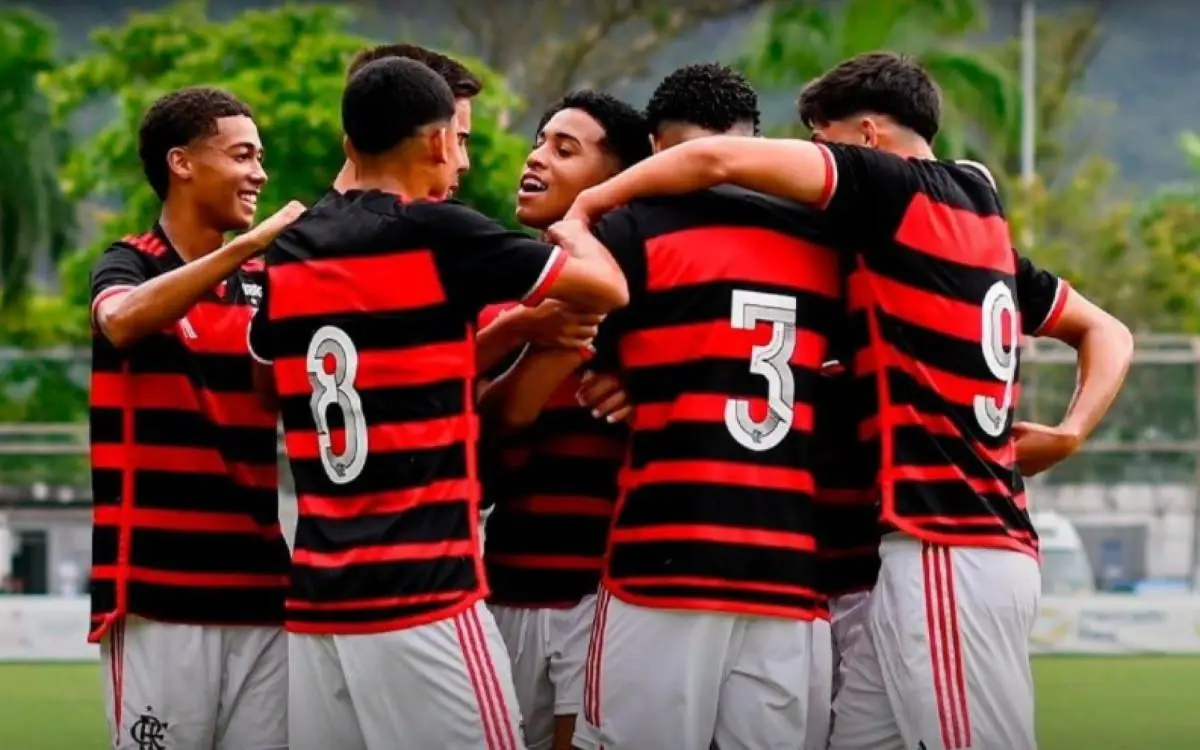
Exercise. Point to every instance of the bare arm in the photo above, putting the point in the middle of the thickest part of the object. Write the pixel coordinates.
(515, 399)
(1105, 348)
(498, 339)
(589, 279)
(787, 168)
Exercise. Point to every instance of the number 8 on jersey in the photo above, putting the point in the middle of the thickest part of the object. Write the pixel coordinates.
(332, 368)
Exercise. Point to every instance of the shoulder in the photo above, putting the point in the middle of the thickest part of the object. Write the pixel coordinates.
(133, 250)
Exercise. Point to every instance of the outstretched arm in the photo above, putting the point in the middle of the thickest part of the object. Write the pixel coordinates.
(515, 399)
(788, 168)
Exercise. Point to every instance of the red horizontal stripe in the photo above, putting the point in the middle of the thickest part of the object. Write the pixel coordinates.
(219, 328)
(403, 280)
(955, 389)
(720, 583)
(747, 254)
(692, 342)
(938, 425)
(388, 438)
(199, 522)
(111, 390)
(1061, 294)
(948, 473)
(560, 505)
(933, 312)
(383, 602)
(396, 368)
(384, 553)
(708, 408)
(547, 562)
(188, 580)
(722, 472)
(711, 534)
(582, 446)
(957, 235)
(206, 461)
(383, 503)
(716, 605)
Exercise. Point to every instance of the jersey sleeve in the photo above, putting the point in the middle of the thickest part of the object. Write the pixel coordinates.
(119, 269)
(867, 190)
(259, 336)
(618, 231)
(1041, 297)
(481, 262)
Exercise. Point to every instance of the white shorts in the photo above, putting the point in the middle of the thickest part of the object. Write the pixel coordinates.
(820, 687)
(848, 619)
(195, 686)
(678, 679)
(443, 685)
(943, 661)
(548, 648)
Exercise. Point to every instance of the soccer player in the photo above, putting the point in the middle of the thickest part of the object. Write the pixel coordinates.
(189, 567)
(557, 471)
(702, 634)
(946, 301)
(368, 316)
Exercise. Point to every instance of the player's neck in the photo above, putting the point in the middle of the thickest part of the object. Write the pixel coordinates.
(187, 232)
(408, 185)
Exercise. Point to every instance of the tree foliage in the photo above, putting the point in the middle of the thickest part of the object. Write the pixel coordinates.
(35, 217)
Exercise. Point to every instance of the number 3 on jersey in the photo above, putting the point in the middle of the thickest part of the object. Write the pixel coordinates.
(772, 362)
(1000, 339)
(332, 368)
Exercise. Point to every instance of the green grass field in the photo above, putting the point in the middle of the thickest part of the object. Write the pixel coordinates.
(1107, 703)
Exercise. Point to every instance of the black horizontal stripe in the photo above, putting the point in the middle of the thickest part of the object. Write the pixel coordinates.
(553, 424)
(196, 552)
(223, 606)
(560, 475)
(511, 533)
(728, 377)
(368, 616)
(378, 580)
(935, 349)
(904, 390)
(382, 331)
(845, 575)
(706, 441)
(728, 206)
(717, 505)
(944, 278)
(957, 500)
(916, 447)
(186, 429)
(423, 524)
(844, 527)
(525, 587)
(384, 405)
(165, 355)
(167, 490)
(385, 472)
(732, 594)
(711, 303)
(712, 560)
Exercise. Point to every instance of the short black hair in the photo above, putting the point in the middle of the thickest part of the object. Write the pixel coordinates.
(626, 135)
(387, 101)
(177, 119)
(708, 95)
(885, 83)
(462, 82)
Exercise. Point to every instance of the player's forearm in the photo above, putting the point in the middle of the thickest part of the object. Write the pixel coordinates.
(1105, 352)
(499, 339)
(161, 301)
(607, 288)
(516, 398)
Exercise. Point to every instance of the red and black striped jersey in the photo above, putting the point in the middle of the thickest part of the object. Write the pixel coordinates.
(941, 301)
(555, 483)
(368, 317)
(186, 510)
(721, 348)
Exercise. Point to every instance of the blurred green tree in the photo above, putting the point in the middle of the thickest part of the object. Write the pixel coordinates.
(288, 64)
(797, 41)
(35, 216)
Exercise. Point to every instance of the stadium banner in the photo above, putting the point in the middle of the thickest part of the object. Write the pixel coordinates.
(45, 628)
(1118, 624)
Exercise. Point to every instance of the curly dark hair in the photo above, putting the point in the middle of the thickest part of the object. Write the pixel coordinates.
(708, 95)
(463, 83)
(885, 83)
(176, 120)
(389, 100)
(626, 135)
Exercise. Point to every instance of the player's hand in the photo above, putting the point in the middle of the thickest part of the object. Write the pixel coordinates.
(1040, 446)
(587, 207)
(268, 229)
(567, 233)
(605, 395)
(554, 324)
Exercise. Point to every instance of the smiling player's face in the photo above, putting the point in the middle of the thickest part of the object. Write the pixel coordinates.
(225, 172)
(567, 158)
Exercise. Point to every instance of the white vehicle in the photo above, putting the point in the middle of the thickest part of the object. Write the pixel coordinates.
(1066, 569)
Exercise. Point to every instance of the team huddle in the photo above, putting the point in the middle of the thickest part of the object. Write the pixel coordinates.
(725, 457)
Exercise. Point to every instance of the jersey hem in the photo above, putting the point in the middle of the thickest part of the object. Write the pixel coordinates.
(1056, 310)
(777, 612)
(112, 617)
(959, 540)
(106, 293)
(545, 280)
(304, 627)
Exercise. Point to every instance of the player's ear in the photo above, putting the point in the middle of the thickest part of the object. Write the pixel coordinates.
(440, 140)
(347, 147)
(869, 130)
(179, 161)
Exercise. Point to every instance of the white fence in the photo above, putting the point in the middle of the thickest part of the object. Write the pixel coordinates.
(47, 628)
